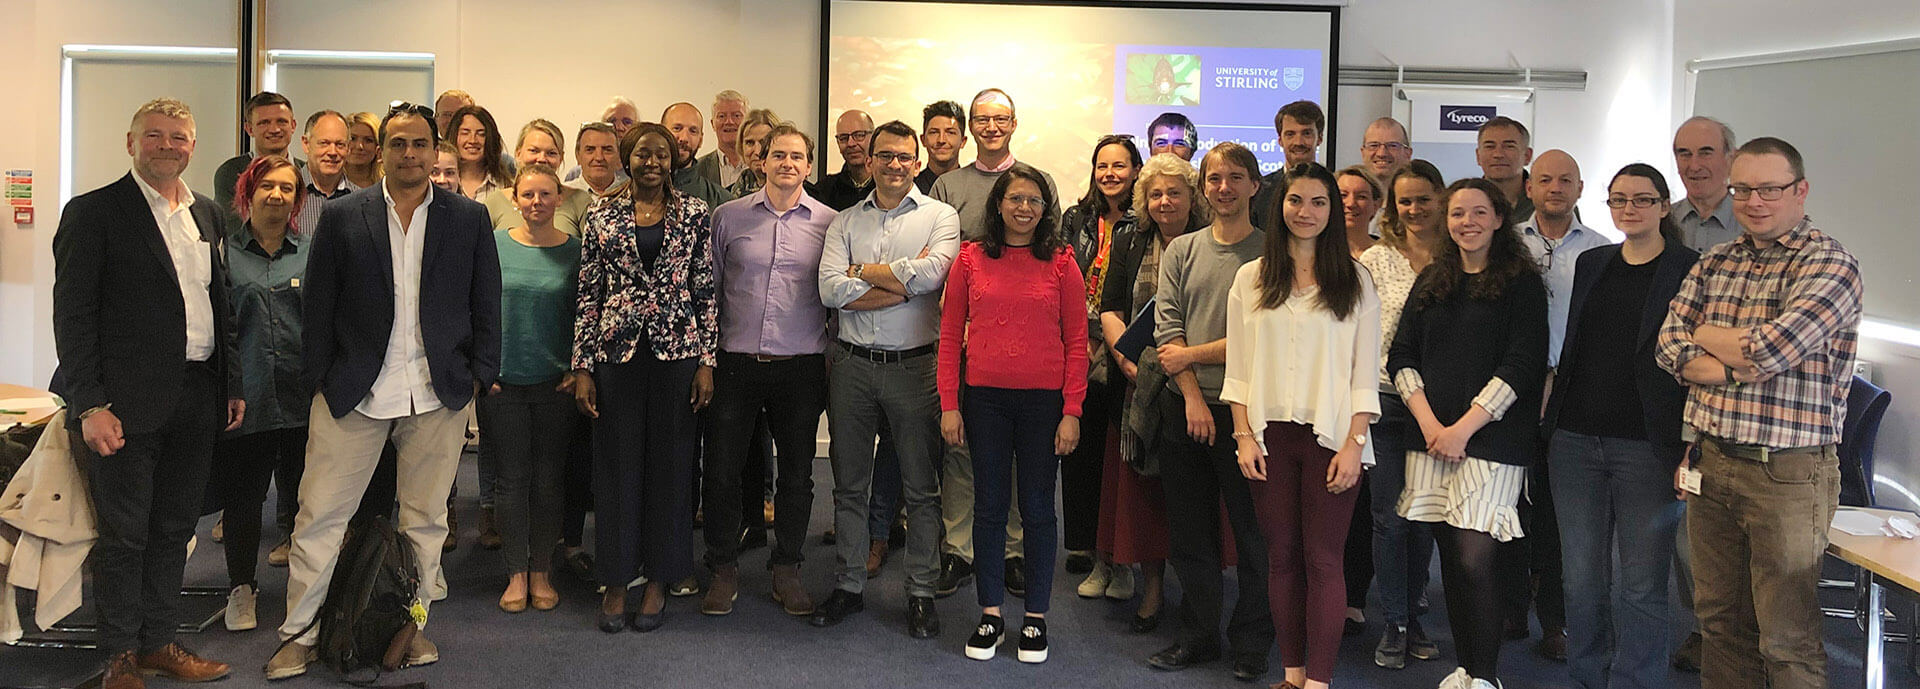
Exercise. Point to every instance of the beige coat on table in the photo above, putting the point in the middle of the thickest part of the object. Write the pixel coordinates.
(46, 530)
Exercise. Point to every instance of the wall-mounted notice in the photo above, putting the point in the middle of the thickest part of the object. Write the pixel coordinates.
(20, 196)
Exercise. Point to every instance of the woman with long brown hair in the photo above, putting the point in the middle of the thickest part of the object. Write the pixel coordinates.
(1302, 338)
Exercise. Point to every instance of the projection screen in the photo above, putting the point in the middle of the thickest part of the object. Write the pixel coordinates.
(1079, 71)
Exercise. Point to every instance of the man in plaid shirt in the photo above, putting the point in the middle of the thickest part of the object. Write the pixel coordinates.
(1763, 332)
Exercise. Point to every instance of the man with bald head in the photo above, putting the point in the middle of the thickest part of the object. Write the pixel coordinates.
(1703, 151)
(1555, 237)
(724, 165)
(852, 133)
(683, 120)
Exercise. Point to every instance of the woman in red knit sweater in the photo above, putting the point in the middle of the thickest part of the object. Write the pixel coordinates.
(1026, 375)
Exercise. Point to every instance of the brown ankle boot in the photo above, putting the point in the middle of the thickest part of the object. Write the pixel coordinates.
(722, 592)
(181, 665)
(788, 592)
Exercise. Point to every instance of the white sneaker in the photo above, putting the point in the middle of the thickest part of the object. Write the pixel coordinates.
(1458, 680)
(1120, 587)
(240, 613)
(1096, 583)
(1483, 684)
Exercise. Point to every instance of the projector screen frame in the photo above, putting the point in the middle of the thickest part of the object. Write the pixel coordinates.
(1333, 50)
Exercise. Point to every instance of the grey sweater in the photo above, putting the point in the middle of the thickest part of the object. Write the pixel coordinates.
(966, 189)
(1195, 273)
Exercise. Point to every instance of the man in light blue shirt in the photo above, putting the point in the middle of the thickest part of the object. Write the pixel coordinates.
(1556, 238)
(1703, 152)
(883, 268)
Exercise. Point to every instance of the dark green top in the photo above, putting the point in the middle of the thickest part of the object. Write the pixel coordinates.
(536, 308)
(266, 304)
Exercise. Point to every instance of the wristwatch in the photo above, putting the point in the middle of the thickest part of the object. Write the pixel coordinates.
(1360, 440)
(857, 269)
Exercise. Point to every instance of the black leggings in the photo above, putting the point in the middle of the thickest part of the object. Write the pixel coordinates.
(1473, 607)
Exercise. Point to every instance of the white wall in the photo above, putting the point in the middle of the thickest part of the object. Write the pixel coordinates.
(1622, 45)
(566, 65)
(1705, 29)
(34, 30)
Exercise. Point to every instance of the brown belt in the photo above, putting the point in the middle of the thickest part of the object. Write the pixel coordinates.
(1757, 453)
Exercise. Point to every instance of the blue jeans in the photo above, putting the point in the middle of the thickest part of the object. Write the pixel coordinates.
(1613, 493)
(1010, 433)
(1402, 550)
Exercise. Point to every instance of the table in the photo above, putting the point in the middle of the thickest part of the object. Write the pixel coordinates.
(1895, 561)
(33, 414)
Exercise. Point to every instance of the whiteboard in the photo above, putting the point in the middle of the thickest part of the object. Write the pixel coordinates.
(102, 86)
(348, 81)
(1851, 112)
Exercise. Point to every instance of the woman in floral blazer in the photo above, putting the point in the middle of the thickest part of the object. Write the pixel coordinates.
(645, 333)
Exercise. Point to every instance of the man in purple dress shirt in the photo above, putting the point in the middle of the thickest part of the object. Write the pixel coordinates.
(773, 333)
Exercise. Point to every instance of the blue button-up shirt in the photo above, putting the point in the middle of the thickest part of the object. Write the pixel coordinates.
(1702, 232)
(764, 263)
(266, 302)
(1557, 259)
(918, 240)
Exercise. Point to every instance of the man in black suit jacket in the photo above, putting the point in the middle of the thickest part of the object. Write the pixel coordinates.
(145, 339)
(402, 332)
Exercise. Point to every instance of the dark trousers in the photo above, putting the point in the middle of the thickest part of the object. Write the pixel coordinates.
(1305, 528)
(1535, 557)
(1358, 555)
(791, 394)
(1080, 470)
(1198, 479)
(884, 502)
(1011, 435)
(244, 465)
(577, 486)
(1402, 549)
(146, 501)
(643, 454)
(532, 427)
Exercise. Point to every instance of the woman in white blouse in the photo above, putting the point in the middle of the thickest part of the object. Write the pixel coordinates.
(1303, 349)
(1402, 550)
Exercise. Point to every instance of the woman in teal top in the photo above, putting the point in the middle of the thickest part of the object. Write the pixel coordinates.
(527, 418)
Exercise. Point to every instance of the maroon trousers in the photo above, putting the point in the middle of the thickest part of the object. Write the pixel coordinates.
(1306, 531)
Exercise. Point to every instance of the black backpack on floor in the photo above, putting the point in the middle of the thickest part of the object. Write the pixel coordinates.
(367, 619)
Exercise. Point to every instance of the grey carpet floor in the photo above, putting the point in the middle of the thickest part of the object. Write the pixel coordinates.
(760, 646)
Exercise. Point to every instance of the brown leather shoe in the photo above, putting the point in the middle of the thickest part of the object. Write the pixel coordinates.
(722, 592)
(122, 673)
(788, 592)
(876, 556)
(180, 665)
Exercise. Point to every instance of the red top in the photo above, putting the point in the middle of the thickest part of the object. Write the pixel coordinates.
(1031, 329)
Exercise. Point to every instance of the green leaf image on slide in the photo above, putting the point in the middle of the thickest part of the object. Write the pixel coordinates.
(1163, 79)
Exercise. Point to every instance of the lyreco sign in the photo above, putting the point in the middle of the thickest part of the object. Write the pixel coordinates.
(1465, 118)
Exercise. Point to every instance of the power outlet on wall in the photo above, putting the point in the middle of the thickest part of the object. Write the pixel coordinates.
(1864, 369)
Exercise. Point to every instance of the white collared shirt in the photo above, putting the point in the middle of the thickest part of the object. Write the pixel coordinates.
(1298, 363)
(730, 172)
(405, 384)
(192, 263)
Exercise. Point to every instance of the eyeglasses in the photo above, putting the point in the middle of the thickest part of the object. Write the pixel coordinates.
(1769, 192)
(860, 134)
(895, 158)
(1391, 146)
(400, 106)
(996, 120)
(1637, 201)
(1034, 201)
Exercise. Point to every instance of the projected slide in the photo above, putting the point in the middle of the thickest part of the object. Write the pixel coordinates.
(1230, 94)
(1078, 73)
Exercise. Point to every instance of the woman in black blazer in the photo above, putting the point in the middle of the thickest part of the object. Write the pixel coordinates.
(1614, 421)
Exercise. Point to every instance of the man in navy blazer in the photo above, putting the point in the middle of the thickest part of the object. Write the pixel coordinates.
(145, 339)
(402, 332)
